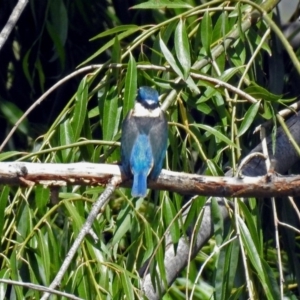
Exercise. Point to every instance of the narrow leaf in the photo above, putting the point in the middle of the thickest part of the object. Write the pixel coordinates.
(182, 48)
(110, 43)
(66, 138)
(110, 115)
(161, 4)
(130, 86)
(261, 93)
(169, 214)
(217, 221)
(216, 133)
(248, 118)
(116, 30)
(206, 32)
(80, 108)
(3, 202)
(169, 57)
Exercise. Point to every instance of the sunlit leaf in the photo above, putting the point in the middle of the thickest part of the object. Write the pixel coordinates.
(259, 92)
(170, 58)
(216, 133)
(159, 4)
(249, 118)
(116, 29)
(4, 197)
(170, 218)
(121, 36)
(182, 48)
(130, 86)
(206, 32)
(80, 108)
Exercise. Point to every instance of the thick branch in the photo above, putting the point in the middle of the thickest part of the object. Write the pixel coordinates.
(100, 174)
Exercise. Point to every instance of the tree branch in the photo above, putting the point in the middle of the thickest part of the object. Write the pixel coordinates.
(29, 174)
(13, 19)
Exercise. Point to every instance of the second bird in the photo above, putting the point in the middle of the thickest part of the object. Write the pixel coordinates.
(144, 140)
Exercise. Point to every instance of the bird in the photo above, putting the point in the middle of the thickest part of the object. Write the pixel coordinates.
(144, 140)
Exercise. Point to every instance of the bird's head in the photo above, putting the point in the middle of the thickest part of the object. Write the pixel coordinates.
(148, 97)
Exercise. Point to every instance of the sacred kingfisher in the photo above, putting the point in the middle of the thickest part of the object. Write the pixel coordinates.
(144, 140)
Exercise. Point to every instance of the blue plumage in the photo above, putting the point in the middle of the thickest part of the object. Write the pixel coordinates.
(144, 140)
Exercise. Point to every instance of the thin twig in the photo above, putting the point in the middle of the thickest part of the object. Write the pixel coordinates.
(215, 251)
(100, 203)
(288, 226)
(11, 23)
(295, 207)
(39, 288)
(275, 217)
(277, 246)
(244, 256)
(245, 161)
(283, 113)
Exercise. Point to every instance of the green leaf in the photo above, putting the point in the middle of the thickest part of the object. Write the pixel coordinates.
(3, 202)
(111, 115)
(44, 254)
(206, 32)
(66, 138)
(251, 225)
(130, 86)
(4, 274)
(216, 133)
(39, 67)
(259, 92)
(123, 224)
(248, 118)
(15, 275)
(58, 44)
(80, 108)
(42, 195)
(12, 114)
(94, 112)
(254, 257)
(251, 248)
(59, 19)
(229, 73)
(161, 4)
(110, 43)
(77, 218)
(25, 67)
(148, 242)
(212, 168)
(182, 48)
(217, 221)
(116, 30)
(127, 286)
(271, 281)
(170, 59)
(169, 214)
(9, 154)
(239, 23)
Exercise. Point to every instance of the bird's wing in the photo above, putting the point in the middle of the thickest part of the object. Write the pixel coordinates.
(158, 135)
(129, 134)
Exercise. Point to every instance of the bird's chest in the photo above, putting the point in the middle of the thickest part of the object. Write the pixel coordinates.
(144, 124)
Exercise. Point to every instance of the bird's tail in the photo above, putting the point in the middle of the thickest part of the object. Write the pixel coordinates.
(139, 187)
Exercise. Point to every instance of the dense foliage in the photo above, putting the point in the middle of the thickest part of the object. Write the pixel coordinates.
(181, 48)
